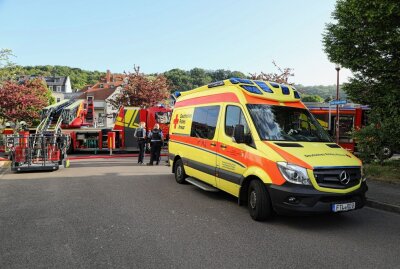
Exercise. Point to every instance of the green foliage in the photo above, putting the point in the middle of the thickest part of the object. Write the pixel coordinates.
(79, 78)
(321, 90)
(8, 69)
(388, 171)
(181, 80)
(372, 139)
(365, 38)
(312, 98)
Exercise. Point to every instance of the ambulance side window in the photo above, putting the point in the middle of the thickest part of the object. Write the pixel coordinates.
(204, 122)
(233, 117)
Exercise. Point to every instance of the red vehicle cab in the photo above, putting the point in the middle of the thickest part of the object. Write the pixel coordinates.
(351, 117)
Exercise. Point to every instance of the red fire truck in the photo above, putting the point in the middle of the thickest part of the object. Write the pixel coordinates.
(78, 122)
(351, 117)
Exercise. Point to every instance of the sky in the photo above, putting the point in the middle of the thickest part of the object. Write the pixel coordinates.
(160, 35)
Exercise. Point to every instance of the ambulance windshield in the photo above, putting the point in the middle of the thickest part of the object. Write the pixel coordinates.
(286, 124)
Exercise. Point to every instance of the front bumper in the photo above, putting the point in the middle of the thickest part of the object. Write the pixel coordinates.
(308, 200)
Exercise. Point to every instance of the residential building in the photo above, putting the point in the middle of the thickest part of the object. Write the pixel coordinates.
(101, 93)
(59, 85)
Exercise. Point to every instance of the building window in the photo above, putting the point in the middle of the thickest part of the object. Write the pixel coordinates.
(58, 100)
(204, 122)
(51, 88)
(58, 88)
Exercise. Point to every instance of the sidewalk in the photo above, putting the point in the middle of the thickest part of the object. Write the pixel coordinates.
(383, 196)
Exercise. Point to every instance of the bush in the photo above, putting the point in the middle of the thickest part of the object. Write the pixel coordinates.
(373, 139)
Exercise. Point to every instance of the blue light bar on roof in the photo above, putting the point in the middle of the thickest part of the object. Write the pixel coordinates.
(216, 84)
(275, 85)
(252, 89)
(263, 86)
(240, 80)
(285, 89)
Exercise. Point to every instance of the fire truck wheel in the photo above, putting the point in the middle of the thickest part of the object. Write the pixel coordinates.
(180, 174)
(259, 202)
(387, 152)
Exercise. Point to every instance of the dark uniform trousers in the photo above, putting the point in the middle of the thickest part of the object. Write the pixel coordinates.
(141, 145)
(155, 151)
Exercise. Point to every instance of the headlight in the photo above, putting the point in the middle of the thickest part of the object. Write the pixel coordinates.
(294, 173)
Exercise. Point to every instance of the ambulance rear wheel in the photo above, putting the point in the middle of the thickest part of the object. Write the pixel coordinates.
(259, 202)
(180, 174)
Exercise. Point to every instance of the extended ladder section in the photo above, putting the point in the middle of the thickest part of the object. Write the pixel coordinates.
(71, 112)
(52, 116)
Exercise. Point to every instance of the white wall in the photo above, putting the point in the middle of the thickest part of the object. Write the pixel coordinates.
(68, 88)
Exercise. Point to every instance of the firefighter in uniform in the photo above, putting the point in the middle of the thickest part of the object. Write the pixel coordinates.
(156, 141)
(140, 135)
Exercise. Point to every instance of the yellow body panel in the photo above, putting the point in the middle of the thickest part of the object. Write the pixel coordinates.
(241, 160)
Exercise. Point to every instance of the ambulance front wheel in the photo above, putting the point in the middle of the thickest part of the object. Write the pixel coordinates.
(259, 201)
(180, 174)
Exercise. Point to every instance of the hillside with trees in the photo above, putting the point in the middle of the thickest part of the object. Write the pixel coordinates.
(178, 79)
(79, 77)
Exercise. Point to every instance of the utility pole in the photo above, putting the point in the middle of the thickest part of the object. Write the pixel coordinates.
(337, 67)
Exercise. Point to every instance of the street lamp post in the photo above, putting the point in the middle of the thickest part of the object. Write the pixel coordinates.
(337, 67)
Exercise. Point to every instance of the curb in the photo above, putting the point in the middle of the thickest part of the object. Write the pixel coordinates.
(383, 206)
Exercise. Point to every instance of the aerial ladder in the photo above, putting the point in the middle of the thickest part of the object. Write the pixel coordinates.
(46, 149)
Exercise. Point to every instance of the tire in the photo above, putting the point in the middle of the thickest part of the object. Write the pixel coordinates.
(259, 202)
(180, 174)
(386, 152)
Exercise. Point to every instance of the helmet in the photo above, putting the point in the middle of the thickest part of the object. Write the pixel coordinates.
(8, 125)
(22, 122)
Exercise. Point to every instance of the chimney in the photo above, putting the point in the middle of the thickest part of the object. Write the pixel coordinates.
(108, 76)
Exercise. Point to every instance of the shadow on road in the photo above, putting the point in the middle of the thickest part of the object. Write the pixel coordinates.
(318, 222)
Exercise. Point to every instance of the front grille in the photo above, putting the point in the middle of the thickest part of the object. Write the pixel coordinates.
(330, 177)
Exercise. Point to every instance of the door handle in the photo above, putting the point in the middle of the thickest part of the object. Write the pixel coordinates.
(213, 144)
(223, 146)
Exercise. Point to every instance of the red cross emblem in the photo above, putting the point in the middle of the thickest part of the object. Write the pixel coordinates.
(176, 120)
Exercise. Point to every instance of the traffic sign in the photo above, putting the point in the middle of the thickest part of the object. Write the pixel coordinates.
(338, 102)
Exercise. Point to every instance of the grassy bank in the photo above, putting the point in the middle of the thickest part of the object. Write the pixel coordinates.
(389, 171)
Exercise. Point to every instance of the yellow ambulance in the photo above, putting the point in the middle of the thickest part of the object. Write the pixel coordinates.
(257, 141)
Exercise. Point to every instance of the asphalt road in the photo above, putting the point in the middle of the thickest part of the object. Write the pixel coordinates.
(112, 214)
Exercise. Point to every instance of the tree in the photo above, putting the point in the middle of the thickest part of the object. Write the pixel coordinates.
(8, 69)
(222, 74)
(312, 98)
(282, 76)
(179, 80)
(199, 77)
(365, 38)
(79, 78)
(22, 101)
(142, 91)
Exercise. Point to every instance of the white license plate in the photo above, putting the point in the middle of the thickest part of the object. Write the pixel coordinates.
(343, 207)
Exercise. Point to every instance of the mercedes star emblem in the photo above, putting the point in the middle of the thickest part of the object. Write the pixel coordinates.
(344, 178)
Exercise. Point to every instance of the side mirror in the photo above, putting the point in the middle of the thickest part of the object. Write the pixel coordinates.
(238, 134)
